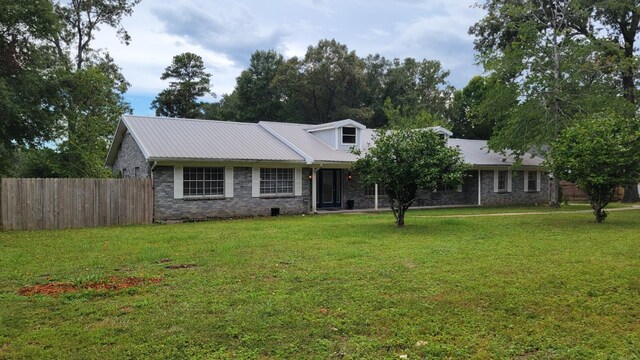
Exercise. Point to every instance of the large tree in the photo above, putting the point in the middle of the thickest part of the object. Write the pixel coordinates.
(328, 83)
(27, 86)
(559, 74)
(190, 82)
(480, 106)
(404, 161)
(598, 154)
(83, 19)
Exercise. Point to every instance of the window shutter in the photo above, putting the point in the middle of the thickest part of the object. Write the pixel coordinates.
(509, 182)
(495, 180)
(228, 182)
(298, 182)
(538, 182)
(526, 181)
(177, 182)
(255, 182)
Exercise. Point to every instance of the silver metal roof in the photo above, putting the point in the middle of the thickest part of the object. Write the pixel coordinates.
(199, 140)
(315, 148)
(188, 139)
(476, 153)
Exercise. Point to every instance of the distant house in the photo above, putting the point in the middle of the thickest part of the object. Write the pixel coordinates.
(210, 169)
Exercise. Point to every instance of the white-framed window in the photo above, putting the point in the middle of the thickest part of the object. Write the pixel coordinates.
(124, 173)
(203, 181)
(502, 181)
(532, 181)
(136, 172)
(349, 135)
(276, 181)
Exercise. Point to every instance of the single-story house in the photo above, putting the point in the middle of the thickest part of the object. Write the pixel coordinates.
(212, 169)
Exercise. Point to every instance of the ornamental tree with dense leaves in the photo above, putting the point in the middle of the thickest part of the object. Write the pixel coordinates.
(598, 154)
(404, 161)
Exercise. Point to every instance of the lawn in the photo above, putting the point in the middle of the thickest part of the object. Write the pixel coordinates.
(344, 286)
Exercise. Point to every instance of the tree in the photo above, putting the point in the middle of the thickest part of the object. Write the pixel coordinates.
(83, 19)
(27, 87)
(558, 74)
(480, 106)
(328, 84)
(257, 98)
(418, 86)
(598, 154)
(191, 83)
(404, 161)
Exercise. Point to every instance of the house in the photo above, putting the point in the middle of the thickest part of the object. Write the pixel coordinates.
(210, 169)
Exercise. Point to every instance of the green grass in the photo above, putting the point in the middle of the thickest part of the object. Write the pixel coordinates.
(349, 286)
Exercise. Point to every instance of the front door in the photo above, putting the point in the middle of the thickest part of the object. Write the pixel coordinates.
(329, 188)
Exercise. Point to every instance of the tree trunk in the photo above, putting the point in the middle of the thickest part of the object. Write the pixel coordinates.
(554, 193)
(631, 194)
(600, 214)
(400, 217)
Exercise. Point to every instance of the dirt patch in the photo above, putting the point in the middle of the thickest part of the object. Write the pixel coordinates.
(112, 284)
(181, 266)
(164, 261)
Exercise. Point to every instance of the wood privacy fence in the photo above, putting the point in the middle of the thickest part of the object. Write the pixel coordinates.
(29, 204)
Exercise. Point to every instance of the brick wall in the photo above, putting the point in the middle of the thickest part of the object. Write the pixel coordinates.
(129, 157)
(242, 204)
(517, 196)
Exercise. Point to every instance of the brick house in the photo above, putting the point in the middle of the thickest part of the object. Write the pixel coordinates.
(213, 169)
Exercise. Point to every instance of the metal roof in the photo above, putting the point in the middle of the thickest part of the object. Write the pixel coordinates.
(315, 148)
(189, 139)
(477, 153)
(199, 140)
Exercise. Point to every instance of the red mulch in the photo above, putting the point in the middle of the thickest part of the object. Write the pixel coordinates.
(113, 284)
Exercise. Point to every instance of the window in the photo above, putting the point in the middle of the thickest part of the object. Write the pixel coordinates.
(532, 181)
(371, 190)
(136, 172)
(348, 135)
(124, 173)
(203, 181)
(276, 181)
(503, 180)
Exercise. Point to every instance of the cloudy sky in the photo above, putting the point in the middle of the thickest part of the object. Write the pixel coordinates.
(226, 32)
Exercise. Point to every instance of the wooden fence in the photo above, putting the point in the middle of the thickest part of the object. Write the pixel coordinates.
(570, 192)
(29, 204)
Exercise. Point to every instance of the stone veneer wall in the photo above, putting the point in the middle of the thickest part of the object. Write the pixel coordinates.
(517, 196)
(129, 157)
(242, 204)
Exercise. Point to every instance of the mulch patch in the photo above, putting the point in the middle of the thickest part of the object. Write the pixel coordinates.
(112, 284)
(181, 266)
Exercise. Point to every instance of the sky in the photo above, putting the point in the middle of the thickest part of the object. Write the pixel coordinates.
(226, 32)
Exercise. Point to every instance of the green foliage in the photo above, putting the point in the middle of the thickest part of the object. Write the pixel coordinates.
(598, 154)
(190, 82)
(423, 119)
(82, 19)
(481, 105)
(332, 83)
(529, 286)
(404, 161)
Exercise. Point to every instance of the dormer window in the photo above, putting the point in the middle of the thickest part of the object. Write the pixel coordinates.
(349, 135)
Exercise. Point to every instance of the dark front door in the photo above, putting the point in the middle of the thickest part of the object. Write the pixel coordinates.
(329, 188)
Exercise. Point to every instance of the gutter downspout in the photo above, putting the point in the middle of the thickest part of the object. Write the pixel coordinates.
(153, 186)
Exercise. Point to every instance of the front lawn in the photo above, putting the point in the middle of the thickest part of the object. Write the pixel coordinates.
(330, 286)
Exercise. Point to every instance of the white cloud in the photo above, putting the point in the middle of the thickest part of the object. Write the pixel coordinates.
(225, 33)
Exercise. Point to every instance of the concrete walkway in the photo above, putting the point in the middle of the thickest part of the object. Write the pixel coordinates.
(366, 211)
(634, 207)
